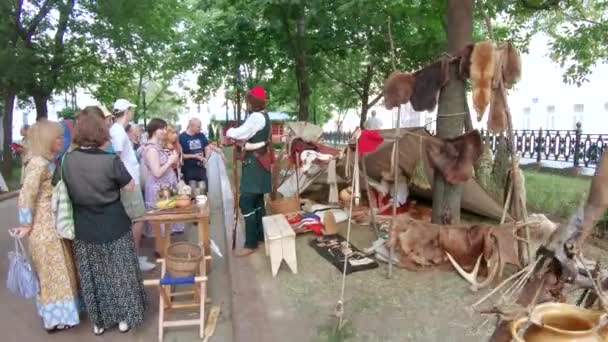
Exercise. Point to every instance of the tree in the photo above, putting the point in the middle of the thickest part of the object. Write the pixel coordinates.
(446, 197)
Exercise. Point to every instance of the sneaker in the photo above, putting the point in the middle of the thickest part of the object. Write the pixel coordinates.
(123, 327)
(145, 265)
(97, 331)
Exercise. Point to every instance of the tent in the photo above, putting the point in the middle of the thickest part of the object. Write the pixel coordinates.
(474, 198)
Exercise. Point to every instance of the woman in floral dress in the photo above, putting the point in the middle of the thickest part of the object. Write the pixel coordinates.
(159, 164)
(57, 301)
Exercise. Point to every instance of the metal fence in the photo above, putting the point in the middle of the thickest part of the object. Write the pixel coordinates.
(566, 146)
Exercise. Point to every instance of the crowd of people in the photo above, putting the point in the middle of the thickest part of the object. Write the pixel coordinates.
(113, 172)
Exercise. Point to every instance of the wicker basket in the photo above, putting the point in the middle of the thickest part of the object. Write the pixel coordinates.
(183, 259)
(285, 205)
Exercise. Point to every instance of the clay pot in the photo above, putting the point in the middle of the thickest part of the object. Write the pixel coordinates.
(183, 201)
(560, 322)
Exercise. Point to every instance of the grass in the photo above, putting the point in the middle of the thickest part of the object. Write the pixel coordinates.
(555, 195)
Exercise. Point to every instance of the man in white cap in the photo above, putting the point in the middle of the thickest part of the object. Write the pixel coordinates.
(133, 201)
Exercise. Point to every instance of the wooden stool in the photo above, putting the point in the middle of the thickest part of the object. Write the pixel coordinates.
(166, 295)
(280, 242)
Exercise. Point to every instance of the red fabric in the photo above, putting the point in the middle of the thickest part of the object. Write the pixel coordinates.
(259, 92)
(369, 141)
(382, 201)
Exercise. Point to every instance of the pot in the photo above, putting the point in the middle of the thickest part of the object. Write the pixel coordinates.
(560, 322)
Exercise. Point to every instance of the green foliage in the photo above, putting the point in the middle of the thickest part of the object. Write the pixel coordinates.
(67, 113)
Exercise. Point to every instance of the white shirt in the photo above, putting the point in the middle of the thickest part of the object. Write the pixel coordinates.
(124, 149)
(373, 123)
(254, 123)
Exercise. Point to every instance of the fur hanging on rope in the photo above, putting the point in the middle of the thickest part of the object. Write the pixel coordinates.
(418, 177)
(497, 119)
(482, 70)
(511, 67)
(398, 89)
(464, 69)
(429, 82)
(454, 158)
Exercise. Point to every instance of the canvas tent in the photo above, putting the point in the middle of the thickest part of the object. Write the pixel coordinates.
(474, 198)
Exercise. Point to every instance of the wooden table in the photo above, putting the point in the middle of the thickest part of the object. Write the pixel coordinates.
(194, 214)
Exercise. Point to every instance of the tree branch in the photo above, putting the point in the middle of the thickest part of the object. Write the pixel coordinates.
(58, 58)
(44, 10)
(375, 100)
(546, 5)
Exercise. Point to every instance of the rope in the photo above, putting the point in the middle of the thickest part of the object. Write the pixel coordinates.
(453, 114)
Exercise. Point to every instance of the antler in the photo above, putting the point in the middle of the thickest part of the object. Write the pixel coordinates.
(472, 277)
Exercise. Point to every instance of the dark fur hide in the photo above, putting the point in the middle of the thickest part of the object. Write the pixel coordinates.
(482, 71)
(454, 158)
(398, 89)
(464, 69)
(511, 67)
(429, 82)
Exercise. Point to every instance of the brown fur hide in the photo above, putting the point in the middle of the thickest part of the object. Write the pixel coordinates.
(429, 82)
(497, 119)
(454, 158)
(482, 70)
(464, 69)
(398, 89)
(511, 67)
(423, 246)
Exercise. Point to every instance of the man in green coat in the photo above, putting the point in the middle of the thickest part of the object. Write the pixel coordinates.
(254, 134)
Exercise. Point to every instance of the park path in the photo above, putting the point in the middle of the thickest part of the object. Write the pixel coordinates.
(19, 321)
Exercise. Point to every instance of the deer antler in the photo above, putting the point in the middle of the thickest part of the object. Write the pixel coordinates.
(472, 277)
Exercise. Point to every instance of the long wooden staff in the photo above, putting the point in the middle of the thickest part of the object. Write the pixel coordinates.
(235, 177)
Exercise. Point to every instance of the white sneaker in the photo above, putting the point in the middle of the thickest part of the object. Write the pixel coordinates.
(123, 327)
(145, 265)
(97, 331)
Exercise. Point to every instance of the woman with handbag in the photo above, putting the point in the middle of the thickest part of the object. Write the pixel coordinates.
(57, 301)
(108, 269)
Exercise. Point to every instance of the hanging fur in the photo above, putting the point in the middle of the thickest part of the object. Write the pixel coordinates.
(511, 66)
(497, 119)
(482, 70)
(418, 178)
(398, 89)
(464, 69)
(429, 82)
(454, 158)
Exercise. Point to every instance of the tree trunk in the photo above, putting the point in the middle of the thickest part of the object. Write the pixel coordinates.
(446, 197)
(7, 126)
(42, 110)
(369, 73)
(301, 60)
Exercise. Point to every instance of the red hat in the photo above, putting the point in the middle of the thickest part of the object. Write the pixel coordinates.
(259, 92)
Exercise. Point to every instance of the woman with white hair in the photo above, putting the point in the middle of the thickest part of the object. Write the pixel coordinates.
(57, 300)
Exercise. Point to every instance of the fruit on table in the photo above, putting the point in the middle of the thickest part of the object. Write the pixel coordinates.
(165, 204)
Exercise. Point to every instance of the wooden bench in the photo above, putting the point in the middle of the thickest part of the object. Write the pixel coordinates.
(280, 241)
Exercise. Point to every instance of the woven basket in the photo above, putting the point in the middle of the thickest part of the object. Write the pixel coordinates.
(183, 259)
(285, 205)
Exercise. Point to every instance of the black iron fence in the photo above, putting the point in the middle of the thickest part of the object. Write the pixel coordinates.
(566, 146)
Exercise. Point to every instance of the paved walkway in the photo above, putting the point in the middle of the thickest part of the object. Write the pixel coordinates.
(20, 322)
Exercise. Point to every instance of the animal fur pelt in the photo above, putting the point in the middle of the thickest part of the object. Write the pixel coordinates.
(423, 246)
(454, 158)
(511, 66)
(464, 69)
(482, 70)
(429, 82)
(497, 119)
(398, 89)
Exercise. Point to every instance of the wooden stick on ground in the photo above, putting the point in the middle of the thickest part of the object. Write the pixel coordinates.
(214, 315)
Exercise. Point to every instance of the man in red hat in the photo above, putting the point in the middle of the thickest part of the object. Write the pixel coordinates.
(255, 135)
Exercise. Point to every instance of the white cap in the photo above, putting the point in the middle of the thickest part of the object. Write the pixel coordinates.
(121, 105)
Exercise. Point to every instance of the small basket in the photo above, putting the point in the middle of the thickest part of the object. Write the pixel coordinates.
(183, 259)
(285, 205)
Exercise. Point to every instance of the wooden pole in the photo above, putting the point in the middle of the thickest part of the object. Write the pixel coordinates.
(369, 199)
(393, 231)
